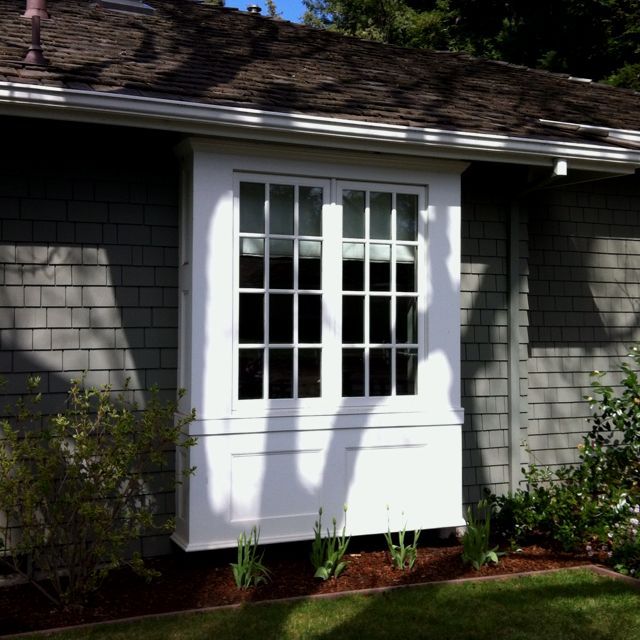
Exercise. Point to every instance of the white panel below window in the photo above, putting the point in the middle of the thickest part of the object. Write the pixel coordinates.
(278, 481)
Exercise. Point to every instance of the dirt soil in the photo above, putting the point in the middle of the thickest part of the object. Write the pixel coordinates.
(204, 579)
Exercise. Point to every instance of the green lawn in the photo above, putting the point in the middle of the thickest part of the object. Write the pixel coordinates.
(564, 606)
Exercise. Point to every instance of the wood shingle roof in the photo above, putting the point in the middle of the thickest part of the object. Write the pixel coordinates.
(198, 53)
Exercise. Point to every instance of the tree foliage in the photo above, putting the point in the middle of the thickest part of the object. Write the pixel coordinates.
(599, 39)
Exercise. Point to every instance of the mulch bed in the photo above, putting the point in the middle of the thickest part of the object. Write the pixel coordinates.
(204, 579)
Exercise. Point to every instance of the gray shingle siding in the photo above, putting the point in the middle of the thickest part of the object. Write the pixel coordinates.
(583, 305)
(88, 258)
(580, 285)
(484, 343)
(89, 274)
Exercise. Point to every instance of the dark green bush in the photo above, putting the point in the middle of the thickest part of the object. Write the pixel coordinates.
(75, 488)
(595, 505)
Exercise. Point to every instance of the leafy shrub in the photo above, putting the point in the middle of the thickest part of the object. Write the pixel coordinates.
(73, 486)
(249, 571)
(327, 553)
(403, 556)
(589, 506)
(625, 544)
(476, 549)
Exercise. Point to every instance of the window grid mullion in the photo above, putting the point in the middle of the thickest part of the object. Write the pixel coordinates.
(367, 286)
(296, 295)
(267, 296)
(332, 297)
(394, 314)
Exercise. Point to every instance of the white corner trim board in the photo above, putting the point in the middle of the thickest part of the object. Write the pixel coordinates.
(386, 430)
(256, 124)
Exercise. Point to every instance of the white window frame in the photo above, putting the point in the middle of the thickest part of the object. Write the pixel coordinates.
(209, 288)
(260, 405)
(331, 364)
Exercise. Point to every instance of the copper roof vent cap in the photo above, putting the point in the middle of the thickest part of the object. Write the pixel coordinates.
(36, 11)
(36, 8)
(254, 8)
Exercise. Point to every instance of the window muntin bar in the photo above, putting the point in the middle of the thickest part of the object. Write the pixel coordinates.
(379, 325)
(306, 322)
(279, 290)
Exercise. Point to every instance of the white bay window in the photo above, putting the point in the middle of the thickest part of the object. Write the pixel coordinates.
(319, 341)
(307, 319)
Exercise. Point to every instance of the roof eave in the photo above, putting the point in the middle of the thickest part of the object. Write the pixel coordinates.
(294, 128)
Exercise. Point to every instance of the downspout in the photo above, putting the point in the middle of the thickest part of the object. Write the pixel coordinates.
(513, 348)
(515, 408)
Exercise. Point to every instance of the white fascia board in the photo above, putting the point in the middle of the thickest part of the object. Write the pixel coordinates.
(292, 128)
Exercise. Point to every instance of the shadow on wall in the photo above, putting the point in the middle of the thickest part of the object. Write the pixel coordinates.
(487, 190)
(584, 309)
(357, 450)
(582, 315)
(88, 256)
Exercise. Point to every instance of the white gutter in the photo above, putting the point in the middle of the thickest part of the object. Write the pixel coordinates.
(227, 121)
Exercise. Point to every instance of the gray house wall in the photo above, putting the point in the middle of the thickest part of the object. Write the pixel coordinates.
(484, 347)
(89, 269)
(88, 265)
(584, 304)
(579, 301)
(486, 220)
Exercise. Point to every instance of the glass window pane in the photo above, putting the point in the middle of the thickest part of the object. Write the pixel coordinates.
(380, 372)
(407, 216)
(380, 320)
(406, 372)
(252, 207)
(310, 207)
(280, 373)
(380, 223)
(352, 319)
(250, 374)
(353, 214)
(380, 267)
(251, 320)
(281, 318)
(281, 264)
(252, 263)
(310, 318)
(352, 266)
(281, 199)
(406, 320)
(309, 362)
(352, 373)
(310, 265)
(405, 268)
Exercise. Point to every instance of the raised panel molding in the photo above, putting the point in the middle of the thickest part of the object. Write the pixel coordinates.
(278, 481)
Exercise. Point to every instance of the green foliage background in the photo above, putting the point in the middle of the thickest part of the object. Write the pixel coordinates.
(598, 39)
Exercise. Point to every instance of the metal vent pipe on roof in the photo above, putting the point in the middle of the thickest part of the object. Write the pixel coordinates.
(254, 8)
(36, 8)
(36, 11)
